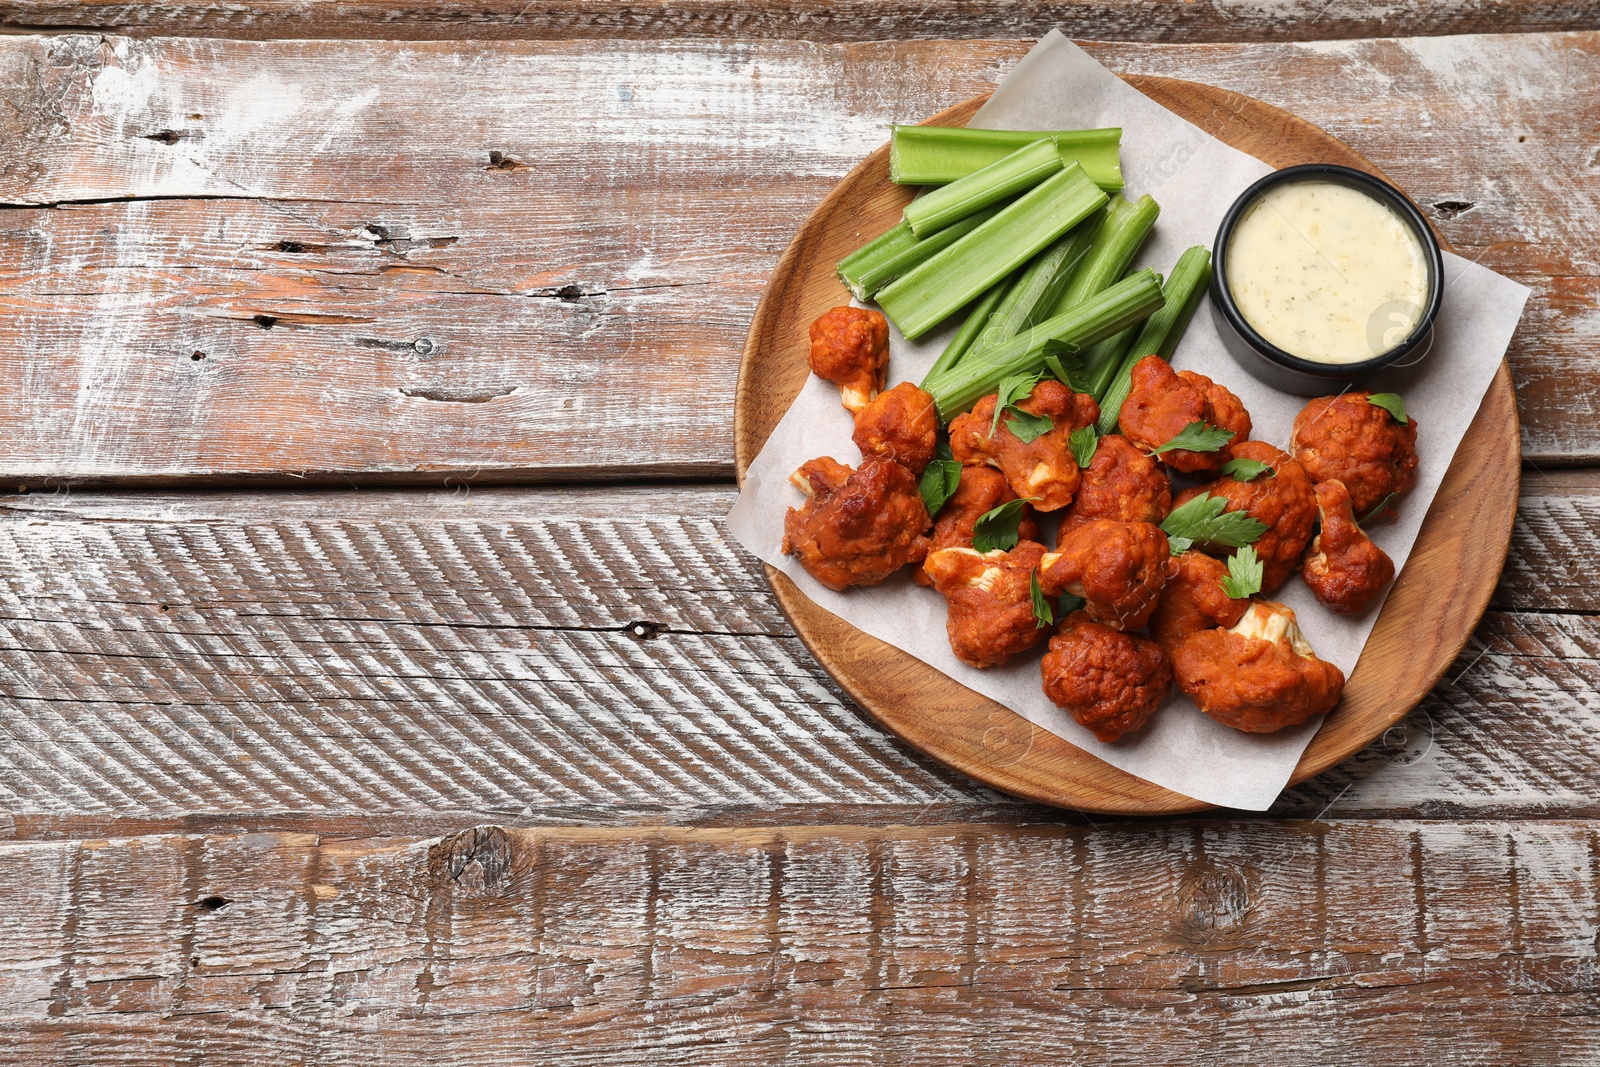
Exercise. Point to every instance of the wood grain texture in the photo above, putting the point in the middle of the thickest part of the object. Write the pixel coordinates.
(385, 662)
(848, 20)
(371, 296)
(1438, 943)
(1417, 634)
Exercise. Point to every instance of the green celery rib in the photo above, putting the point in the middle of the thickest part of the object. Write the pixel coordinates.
(1101, 361)
(1185, 288)
(1022, 169)
(1102, 315)
(880, 261)
(938, 155)
(951, 279)
(880, 249)
(1015, 305)
(1127, 224)
(975, 322)
(1033, 296)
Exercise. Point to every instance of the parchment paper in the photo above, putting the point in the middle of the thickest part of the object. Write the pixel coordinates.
(1194, 177)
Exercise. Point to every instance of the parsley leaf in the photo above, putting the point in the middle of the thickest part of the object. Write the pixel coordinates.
(1203, 521)
(1042, 615)
(1244, 574)
(1197, 437)
(1026, 427)
(939, 483)
(1013, 389)
(1084, 441)
(1062, 361)
(1247, 470)
(997, 528)
(1067, 603)
(1393, 403)
(1383, 505)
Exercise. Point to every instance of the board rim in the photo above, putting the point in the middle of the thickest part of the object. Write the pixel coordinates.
(1115, 791)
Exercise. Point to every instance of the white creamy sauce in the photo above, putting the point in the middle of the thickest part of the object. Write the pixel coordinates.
(1326, 272)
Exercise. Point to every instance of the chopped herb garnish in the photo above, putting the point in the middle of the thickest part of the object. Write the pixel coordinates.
(1197, 437)
(939, 483)
(1383, 505)
(1026, 427)
(997, 529)
(1016, 388)
(1062, 360)
(1393, 403)
(1203, 521)
(1244, 574)
(1067, 603)
(1042, 615)
(1084, 441)
(1247, 470)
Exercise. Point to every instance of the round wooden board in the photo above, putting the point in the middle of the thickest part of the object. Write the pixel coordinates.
(1461, 548)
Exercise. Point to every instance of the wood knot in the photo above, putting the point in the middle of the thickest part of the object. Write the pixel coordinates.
(644, 630)
(501, 161)
(475, 861)
(1213, 903)
(172, 137)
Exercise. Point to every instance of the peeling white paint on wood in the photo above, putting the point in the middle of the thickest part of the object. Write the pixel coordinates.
(526, 652)
(836, 945)
(379, 300)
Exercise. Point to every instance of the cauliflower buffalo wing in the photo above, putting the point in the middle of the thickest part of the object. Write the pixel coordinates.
(990, 599)
(1346, 439)
(1120, 483)
(1193, 600)
(1284, 500)
(981, 490)
(850, 347)
(1258, 675)
(1111, 682)
(1161, 402)
(1042, 469)
(901, 424)
(1118, 568)
(1343, 567)
(858, 527)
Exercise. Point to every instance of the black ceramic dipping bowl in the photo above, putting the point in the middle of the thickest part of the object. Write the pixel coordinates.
(1290, 373)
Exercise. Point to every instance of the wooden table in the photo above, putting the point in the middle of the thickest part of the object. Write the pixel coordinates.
(379, 686)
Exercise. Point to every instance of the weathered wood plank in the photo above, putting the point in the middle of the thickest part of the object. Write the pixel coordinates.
(849, 20)
(1438, 943)
(324, 275)
(352, 660)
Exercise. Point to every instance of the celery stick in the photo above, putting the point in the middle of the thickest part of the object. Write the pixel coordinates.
(1022, 169)
(882, 260)
(975, 322)
(1033, 296)
(1185, 287)
(885, 246)
(938, 155)
(931, 292)
(1101, 361)
(1091, 320)
(1104, 358)
(1126, 226)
